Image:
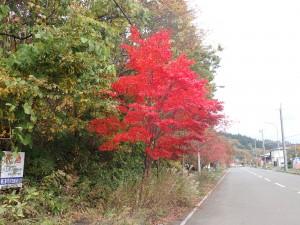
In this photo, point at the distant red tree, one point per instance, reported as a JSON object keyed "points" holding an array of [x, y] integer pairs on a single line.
{"points": [[216, 149], [164, 104]]}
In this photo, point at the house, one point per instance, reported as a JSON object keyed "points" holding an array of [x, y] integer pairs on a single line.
{"points": [[277, 157], [264, 158]]}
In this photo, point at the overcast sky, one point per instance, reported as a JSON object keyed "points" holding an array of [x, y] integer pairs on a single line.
{"points": [[260, 65]]}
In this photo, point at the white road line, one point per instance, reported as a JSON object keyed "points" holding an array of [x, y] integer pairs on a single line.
{"points": [[280, 185], [195, 209], [200, 203], [223, 177], [267, 179], [259, 176], [298, 192]]}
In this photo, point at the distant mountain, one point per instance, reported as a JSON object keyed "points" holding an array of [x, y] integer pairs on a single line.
{"points": [[245, 142]]}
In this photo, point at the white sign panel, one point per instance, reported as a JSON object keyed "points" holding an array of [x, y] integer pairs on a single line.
{"points": [[12, 168]]}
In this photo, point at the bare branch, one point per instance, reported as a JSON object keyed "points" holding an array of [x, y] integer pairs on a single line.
{"points": [[16, 37]]}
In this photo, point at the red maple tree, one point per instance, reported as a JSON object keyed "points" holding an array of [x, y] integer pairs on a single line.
{"points": [[216, 149], [164, 104]]}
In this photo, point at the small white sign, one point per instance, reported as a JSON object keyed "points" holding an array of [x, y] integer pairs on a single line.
{"points": [[12, 169]]}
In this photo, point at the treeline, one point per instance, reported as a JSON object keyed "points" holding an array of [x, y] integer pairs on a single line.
{"points": [[58, 60], [246, 142]]}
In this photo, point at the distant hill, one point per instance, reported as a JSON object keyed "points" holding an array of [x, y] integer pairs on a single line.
{"points": [[244, 142]]}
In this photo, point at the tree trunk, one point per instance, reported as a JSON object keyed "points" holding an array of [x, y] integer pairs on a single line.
{"points": [[147, 163]]}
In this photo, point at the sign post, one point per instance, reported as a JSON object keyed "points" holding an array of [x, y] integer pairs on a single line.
{"points": [[12, 169]]}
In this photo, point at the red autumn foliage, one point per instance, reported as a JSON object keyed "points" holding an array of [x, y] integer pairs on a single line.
{"points": [[216, 149], [164, 104]]}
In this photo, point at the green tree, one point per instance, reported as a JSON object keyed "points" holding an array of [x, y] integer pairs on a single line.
{"points": [[58, 59], [186, 36]]}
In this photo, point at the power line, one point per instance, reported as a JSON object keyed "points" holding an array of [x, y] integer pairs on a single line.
{"points": [[292, 136]]}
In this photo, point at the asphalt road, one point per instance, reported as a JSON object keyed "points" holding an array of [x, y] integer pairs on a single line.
{"points": [[249, 196]]}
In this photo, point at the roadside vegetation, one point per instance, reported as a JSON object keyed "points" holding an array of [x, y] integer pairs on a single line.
{"points": [[61, 200], [111, 104]]}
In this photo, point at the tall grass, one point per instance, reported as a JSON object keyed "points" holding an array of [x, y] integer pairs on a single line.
{"points": [[153, 200]]}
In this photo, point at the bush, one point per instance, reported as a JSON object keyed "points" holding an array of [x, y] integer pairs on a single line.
{"points": [[32, 204]]}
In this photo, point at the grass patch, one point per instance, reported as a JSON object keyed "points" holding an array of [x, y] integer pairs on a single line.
{"points": [[290, 170]]}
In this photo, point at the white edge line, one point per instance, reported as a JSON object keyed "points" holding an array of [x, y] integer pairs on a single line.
{"points": [[280, 185], [200, 203]]}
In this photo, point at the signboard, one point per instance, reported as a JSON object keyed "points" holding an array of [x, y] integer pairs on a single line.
{"points": [[12, 168], [296, 163]]}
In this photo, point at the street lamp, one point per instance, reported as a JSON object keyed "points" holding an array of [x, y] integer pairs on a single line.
{"points": [[278, 146]]}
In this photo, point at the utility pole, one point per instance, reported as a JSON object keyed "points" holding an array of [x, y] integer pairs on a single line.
{"points": [[263, 143], [199, 162], [252, 152], [283, 141], [255, 153]]}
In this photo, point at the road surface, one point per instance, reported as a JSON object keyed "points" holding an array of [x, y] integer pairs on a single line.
{"points": [[249, 196]]}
